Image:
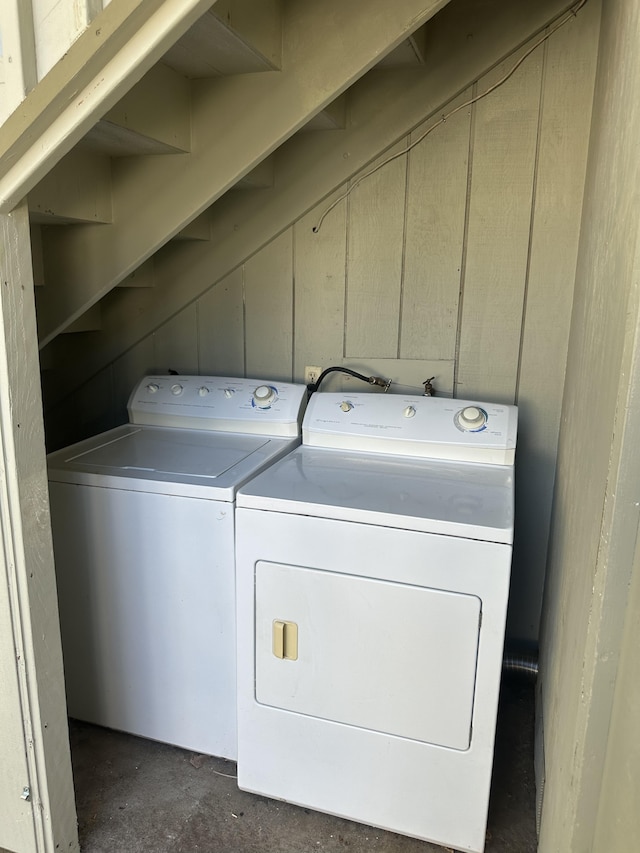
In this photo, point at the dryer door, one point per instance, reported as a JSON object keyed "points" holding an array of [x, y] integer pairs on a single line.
{"points": [[389, 657]]}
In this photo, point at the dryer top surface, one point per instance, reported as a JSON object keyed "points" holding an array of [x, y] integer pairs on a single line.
{"points": [[458, 499]]}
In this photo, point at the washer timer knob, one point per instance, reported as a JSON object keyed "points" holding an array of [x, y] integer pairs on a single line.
{"points": [[152, 388], [472, 418], [264, 396]]}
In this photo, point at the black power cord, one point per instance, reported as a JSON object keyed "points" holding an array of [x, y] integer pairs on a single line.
{"points": [[312, 387]]}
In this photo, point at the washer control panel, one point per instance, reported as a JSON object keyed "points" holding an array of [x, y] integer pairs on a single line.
{"points": [[218, 403], [428, 427]]}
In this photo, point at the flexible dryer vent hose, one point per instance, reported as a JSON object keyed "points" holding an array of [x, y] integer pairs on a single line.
{"points": [[524, 663]]}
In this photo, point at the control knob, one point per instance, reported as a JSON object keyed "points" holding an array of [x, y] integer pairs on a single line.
{"points": [[264, 396], [203, 391], [176, 390], [152, 388], [410, 412], [472, 418], [346, 406]]}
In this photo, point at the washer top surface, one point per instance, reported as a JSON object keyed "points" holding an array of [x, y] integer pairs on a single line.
{"points": [[200, 436], [169, 461], [457, 499]]}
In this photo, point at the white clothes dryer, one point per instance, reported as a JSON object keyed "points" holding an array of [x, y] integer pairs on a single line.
{"points": [[373, 568], [143, 530]]}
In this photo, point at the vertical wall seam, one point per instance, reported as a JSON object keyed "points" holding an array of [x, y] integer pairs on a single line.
{"points": [[198, 360], [404, 246], [465, 239], [244, 323], [112, 394], [154, 347], [534, 190], [293, 299], [346, 270]]}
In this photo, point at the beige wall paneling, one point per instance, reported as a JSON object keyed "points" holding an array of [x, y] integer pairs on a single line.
{"points": [[95, 404], [61, 424], [567, 96], [128, 370], [89, 410], [268, 287], [595, 515], [375, 244], [407, 375], [176, 343], [382, 107], [221, 327], [436, 204], [319, 275], [503, 154]]}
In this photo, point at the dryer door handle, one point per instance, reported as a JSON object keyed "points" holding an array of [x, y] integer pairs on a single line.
{"points": [[285, 640]]}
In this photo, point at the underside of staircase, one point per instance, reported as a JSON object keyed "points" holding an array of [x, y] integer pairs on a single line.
{"points": [[260, 110]]}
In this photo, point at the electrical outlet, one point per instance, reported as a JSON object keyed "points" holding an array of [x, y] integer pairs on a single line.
{"points": [[311, 374]]}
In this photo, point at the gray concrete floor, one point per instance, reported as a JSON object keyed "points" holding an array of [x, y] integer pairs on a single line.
{"points": [[137, 796]]}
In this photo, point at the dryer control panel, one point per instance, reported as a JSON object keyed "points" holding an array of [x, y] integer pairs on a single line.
{"points": [[218, 403], [427, 427]]}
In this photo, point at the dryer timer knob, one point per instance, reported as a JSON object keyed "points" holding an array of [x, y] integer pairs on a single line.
{"points": [[472, 418], [264, 396]]}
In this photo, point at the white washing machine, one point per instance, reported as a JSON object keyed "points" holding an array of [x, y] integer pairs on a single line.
{"points": [[373, 568], [143, 529]]}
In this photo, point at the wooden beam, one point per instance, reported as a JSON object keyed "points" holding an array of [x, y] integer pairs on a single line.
{"points": [[326, 48], [122, 43], [45, 820]]}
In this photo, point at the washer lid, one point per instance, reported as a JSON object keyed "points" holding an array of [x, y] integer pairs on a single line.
{"points": [[194, 454], [174, 461], [458, 499]]}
